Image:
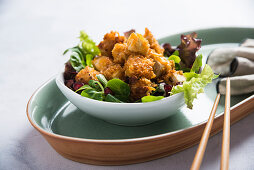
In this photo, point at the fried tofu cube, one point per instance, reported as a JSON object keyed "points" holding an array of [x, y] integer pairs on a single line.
{"points": [[138, 44], [153, 42], [140, 88], [114, 71], [119, 53], [162, 65], [139, 66], [174, 77], [86, 74], [102, 62], [110, 39]]}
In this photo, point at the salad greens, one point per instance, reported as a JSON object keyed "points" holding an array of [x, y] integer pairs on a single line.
{"points": [[116, 90], [175, 58], [151, 98], [197, 64], [120, 89], [195, 84], [82, 54], [95, 90]]}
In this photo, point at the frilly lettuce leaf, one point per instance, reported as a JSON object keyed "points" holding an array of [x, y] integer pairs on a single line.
{"points": [[194, 85], [82, 54], [197, 64]]}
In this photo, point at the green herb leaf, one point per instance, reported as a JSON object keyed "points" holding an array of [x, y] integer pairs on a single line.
{"points": [[102, 79], [175, 58], [120, 89], [93, 94], [96, 85], [151, 98], [84, 87], [76, 58], [111, 98], [197, 64]]}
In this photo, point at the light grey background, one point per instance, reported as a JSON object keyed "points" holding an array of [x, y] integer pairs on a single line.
{"points": [[33, 35]]}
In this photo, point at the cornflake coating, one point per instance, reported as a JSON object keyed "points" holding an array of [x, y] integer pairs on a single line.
{"points": [[86, 74], [102, 62], [162, 64], [140, 88], [153, 42], [110, 39], [139, 66], [120, 53], [138, 44], [114, 71]]}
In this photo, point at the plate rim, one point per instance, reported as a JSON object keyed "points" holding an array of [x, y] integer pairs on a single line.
{"points": [[132, 140]]}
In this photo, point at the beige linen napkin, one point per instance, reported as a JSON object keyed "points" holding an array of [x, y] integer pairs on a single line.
{"points": [[238, 64]]}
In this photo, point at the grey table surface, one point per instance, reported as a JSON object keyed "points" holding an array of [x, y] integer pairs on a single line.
{"points": [[33, 35]]}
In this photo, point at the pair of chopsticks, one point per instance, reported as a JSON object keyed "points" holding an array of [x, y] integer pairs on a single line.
{"points": [[226, 134]]}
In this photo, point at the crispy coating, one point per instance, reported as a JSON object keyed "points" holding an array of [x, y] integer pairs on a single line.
{"points": [[120, 53], [86, 74], [110, 39], [114, 71], [138, 44], [140, 88], [162, 65], [102, 62], [153, 42], [139, 66]]}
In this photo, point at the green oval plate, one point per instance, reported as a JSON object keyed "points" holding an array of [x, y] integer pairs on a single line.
{"points": [[50, 111]]}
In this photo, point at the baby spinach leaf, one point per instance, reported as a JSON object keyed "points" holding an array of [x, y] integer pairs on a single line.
{"points": [[96, 85], [120, 89], [111, 98], [76, 58], [84, 87], [93, 94], [102, 79], [151, 98]]}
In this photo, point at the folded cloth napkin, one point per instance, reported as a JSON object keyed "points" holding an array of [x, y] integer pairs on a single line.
{"points": [[238, 64]]}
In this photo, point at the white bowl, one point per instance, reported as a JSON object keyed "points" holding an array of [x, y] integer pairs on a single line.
{"points": [[130, 114]]}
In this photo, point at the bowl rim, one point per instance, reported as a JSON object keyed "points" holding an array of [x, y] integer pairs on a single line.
{"points": [[59, 78]]}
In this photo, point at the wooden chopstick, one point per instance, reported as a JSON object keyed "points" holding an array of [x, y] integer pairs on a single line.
{"points": [[202, 146], [226, 131]]}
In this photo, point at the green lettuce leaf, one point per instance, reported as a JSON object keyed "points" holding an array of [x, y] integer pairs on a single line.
{"points": [[82, 55], [195, 85], [175, 58], [197, 64], [88, 45]]}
